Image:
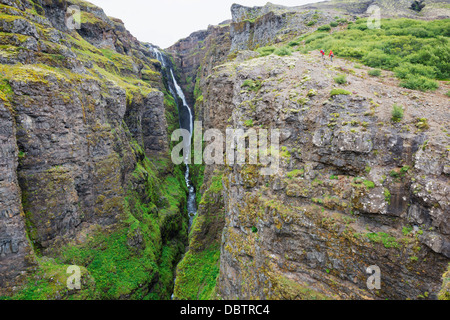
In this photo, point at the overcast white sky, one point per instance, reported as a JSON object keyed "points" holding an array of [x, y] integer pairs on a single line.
{"points": [[164, 22]]}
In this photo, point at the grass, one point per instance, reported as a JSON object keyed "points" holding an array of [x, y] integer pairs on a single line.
{"points": [[336, 92], [198, 273], [295, 173]]}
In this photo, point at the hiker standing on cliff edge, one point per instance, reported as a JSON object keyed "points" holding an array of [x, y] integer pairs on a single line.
{"points": [[331, 55]]}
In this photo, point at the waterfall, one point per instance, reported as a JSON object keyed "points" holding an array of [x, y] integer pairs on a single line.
{"points": [[183, 98], [177, 92]]}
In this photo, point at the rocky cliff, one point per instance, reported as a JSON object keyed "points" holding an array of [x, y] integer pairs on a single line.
{"points": [[86, 177], [355, 189]]}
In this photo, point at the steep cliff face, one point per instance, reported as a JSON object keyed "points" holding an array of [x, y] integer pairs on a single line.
{"points": [[355, 189], [86, 177], [351, 188]]}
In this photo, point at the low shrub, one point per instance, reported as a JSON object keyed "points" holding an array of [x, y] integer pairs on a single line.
{"points": [[324, 28], [265, 51], [341, 79], [283, 51], [406, 69], [334, 24], [374, 72], [421, 83], [397, 113]]}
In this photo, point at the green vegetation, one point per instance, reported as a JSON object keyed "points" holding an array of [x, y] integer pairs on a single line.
{"points": [[381, 237], [135, 257], [6, 92], [295, 173], [444, 294], [283, 51], [287, 289], [108, 256], [334, 24], [394, 174], [369, 184], [397, 113], [387, 196], [336, 92], [414, 48], [198, 272], [417, 5], [137, 252], [284, 153], [294, 43], [248, 123], [265, 51], [374, 72], [407, 230], [325, 27], [341, 79], [419, 83], [252, 85], [422, 124], [51, 278], [405, 169], [407, 69]]}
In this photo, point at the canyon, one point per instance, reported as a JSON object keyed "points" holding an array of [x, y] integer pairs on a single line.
{"points": [[86, 177]]}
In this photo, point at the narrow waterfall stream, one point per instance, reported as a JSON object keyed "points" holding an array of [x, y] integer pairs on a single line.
{"points": [[186, 122]]}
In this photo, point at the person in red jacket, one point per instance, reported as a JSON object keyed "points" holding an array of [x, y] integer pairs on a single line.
{"points": [[331, 55], [323, 54]]}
